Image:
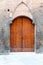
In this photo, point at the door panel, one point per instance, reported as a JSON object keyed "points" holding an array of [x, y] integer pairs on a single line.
{"points": [[28, 35], [15, 34], [22, 35]]}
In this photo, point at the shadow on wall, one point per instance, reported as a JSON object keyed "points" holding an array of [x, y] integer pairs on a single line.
{"points": [[4, 43]]}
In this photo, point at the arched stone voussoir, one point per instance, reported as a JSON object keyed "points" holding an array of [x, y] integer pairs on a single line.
{"points": [[22, 10]]}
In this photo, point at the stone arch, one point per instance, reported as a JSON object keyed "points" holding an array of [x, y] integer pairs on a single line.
{"points": [[22, 9]]}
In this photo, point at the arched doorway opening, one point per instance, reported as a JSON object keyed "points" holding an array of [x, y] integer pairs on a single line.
{"points": [[22, 35]]}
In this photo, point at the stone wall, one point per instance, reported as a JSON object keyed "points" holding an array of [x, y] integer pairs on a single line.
{"points": [[10, 9]]}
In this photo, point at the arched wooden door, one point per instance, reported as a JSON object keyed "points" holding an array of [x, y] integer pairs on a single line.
{"points": [[22, 35]]}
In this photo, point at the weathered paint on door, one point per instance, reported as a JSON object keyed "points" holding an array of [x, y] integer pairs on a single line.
{"points": [[22, 35]]}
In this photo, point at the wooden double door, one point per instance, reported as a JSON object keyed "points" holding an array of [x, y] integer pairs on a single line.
{"points": [[22, 35]]}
